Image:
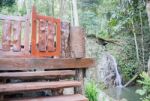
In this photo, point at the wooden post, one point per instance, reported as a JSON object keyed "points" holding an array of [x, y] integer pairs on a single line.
{"points": [[27, 35], [2, 81], [77, 38], [33, 40], [65, 44], [79, 77]]}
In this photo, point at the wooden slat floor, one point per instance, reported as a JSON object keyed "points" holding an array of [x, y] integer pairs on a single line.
{"points": [[37, 74], [33, 86]]}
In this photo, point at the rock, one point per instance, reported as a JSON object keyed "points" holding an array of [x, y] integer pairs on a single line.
{"points": [[123, 99]]}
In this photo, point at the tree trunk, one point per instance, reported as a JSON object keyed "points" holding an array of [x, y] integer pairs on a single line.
{"points": [[142, 41], [62, 4], [135, 41], [148, 11], [53, 5], [75, 13], [148, 14]]}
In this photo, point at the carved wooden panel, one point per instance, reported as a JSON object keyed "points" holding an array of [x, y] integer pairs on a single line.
{"points": [[49, 41], [17, 36], [50, 37], [42, 35], [6, 35]]}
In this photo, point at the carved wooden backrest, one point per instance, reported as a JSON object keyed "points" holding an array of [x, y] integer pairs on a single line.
{"points": [[49, 36], [15, 35], [46, 35]]}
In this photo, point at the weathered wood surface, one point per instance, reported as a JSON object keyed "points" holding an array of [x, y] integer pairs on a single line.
{"points": [[42, 35], [50, 37], [77, 42], [13, 18], [76, 97], [36, 17], [17, 36], [6, 35], [32, 86], [79, 77], [27, 35], [44, 63], [65, 42], [37, 74], [11, 54]]}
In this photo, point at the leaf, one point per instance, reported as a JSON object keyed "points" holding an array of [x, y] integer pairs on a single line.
{"points": [[141, 91]]}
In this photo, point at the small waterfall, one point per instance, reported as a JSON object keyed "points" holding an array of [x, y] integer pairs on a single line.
{"points": [[118, 81], [108, 71]]}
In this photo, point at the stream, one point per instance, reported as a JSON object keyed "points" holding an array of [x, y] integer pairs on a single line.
{"points": [[119, 93], [109, 74]]}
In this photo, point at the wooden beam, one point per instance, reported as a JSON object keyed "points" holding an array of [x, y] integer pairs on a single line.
{"points": [[37, 74], [13, 18], [34, 86], [76, 97], [44, 63]]}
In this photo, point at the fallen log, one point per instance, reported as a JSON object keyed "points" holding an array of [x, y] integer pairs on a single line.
{"points": [[131, 80], [103, 41]]}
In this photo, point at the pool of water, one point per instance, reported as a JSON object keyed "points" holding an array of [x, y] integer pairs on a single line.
{"points": [[119, 93]]}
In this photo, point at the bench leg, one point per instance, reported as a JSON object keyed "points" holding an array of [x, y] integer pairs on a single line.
{"points": [[79, 77], [2, 81]]}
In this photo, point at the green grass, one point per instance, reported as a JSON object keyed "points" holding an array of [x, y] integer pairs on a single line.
{"points": [[91, 91]]}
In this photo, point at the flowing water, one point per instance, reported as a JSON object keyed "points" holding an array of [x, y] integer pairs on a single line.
{"points": [[108, 71], [118, 81], [119, 93]]}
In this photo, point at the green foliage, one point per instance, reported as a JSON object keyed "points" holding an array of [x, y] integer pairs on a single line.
{"points": [[127, 62], [6, 2], [145, 91], [91, 91]]}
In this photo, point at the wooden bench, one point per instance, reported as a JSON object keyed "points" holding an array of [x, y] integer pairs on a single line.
{"points": [[41, 59]]}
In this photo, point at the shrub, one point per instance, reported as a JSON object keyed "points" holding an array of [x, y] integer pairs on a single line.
{"points": [[91, 91], [145, 91]]}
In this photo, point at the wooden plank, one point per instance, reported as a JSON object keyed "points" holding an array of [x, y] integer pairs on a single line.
{"points": [[12, 18], [42, 35], [50, 37], [32, 86], [27, 35], [44, 63], [37, 74], [6, 36], [10, 54], [34, 31], [76, 97], [17, 36]]}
